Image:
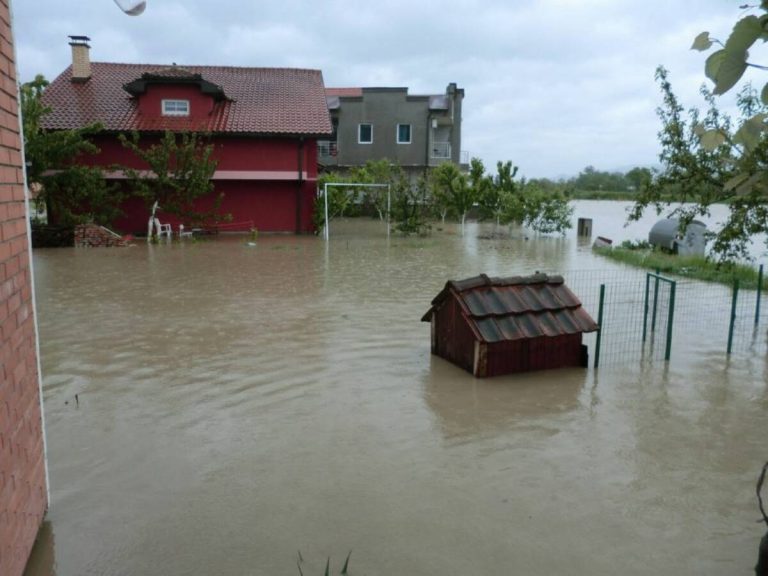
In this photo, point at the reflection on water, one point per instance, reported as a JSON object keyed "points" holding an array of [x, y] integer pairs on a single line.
{"points": [[468, 408], [239, 403]]}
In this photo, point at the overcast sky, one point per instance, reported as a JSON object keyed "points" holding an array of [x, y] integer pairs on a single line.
{"points": [[553, 85]]}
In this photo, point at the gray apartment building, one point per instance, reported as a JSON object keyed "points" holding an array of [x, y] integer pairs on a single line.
{"points": [[414, 131]]}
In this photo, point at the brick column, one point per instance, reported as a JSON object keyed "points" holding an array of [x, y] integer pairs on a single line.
{"points": [[23, 490]]}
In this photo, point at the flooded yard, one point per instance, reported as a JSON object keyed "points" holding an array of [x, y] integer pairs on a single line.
{"points": [[215, 407]]}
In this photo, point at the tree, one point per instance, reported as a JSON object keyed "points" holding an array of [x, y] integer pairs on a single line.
{"points": [[410, 207], [452, 191], [746, 188], [376, 172], [72, 192], [340, 199], [544, 211], [704, 163], [181, 167], [490, 198], [638, 177], [512, 204], [530, 204]]}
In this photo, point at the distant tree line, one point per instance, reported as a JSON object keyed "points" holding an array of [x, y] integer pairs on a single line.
{"points": [[590, 179]]}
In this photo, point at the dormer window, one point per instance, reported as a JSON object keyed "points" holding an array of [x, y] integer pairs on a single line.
{"points": [[175, 107]]}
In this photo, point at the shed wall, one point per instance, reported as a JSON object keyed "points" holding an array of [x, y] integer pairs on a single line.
{"points": [[542, 353], [452, 337]]}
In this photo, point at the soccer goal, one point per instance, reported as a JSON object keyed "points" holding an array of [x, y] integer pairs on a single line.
{"points": [[328, 185]]}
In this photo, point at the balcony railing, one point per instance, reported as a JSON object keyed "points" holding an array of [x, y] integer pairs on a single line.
{"points": [[327, 148], [441, 151]]}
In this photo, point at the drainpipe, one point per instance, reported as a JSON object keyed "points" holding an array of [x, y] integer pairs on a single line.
{"points": [[428, 145], [299, 182]]}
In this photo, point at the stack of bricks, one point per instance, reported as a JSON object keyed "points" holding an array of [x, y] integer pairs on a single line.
{"points": [[93, 236], [23, 492]]}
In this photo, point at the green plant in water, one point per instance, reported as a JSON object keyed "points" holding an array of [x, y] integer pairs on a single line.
{"points": [[344, 569]]}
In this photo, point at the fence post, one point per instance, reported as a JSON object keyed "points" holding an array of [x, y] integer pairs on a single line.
{"points": [[655, 299], [670, 319], [759, 294], [599, 325], [645, 308], [733, 313]]}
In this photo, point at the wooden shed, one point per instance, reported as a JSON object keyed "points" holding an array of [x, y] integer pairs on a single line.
{"points": [[495, 326]]}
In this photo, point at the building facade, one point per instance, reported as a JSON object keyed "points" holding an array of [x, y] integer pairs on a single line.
{"points": [[415, 132], [263, 124], [23, 484]]}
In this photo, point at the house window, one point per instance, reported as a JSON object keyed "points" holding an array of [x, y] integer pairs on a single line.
{"points": [[175, 107], [365, 133], [403, 133]]}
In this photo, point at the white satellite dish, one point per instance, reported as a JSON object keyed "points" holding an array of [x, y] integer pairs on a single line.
{"points": [[131, 7]]}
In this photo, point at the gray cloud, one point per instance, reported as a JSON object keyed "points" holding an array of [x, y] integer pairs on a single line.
{"points": [[553, 85]]}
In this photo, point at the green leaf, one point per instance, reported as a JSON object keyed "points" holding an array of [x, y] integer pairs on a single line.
{"points": [[729, 71], [744, 34], [713, 63], [711, 139], [702, 42], [751, 131], [764, 24], [764, 94]]}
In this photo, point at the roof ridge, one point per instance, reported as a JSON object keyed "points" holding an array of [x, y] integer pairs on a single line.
{"points": [[216, 66]]}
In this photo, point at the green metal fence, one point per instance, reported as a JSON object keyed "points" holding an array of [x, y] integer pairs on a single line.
{"points": [[647, 317]]}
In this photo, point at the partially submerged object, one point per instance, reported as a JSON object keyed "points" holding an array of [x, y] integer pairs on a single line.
{"points": [[493, 326], [667, 234], [602, 242]]}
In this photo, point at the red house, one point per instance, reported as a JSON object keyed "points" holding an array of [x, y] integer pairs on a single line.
{"points": [[495, 326], [264, 124]]}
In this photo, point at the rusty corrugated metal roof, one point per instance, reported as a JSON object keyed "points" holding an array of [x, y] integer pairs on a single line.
{"points": [[517, 307]]}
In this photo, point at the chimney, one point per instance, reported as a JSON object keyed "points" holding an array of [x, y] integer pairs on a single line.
{"points": [[81, 58]]}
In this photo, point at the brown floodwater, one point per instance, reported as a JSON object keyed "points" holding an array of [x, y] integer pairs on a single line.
{"points": [[238, 403]]}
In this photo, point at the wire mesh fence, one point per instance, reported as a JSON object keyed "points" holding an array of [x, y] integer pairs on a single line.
{"points": [[648, 319]]}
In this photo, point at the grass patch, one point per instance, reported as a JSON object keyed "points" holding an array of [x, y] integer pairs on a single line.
{"points": [[695, 267]]}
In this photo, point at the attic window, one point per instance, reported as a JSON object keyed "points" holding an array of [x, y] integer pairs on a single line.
{"points": [[175, 107]]}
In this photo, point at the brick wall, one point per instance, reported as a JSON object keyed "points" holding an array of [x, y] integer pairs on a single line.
{"points": [[94, 236], [23, 494]]}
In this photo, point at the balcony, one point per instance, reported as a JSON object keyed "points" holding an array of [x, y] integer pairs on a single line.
{"points": [[327, 151], [441, 151]]}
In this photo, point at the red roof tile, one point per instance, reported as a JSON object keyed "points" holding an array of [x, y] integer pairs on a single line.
{"points": [[258, 100], [518, 307]]}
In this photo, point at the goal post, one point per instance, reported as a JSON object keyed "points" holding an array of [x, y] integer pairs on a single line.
{"points": [[327, 185]]}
